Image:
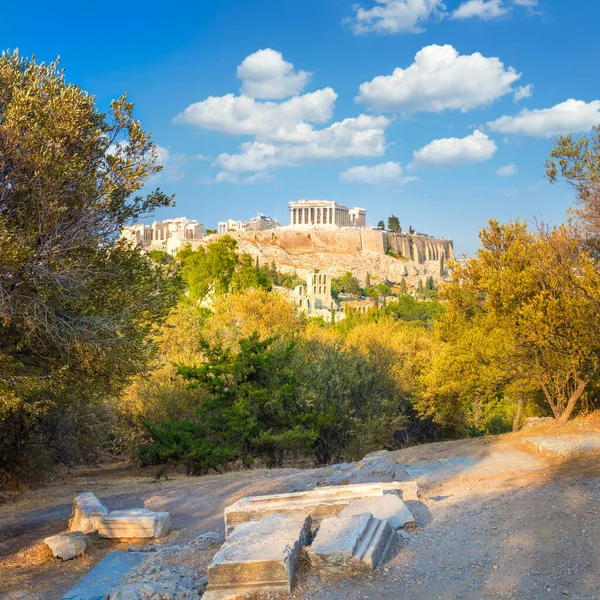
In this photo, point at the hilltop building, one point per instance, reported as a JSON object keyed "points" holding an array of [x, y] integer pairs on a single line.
{"points": [[258, 223], [325, 213], [168, 235]]}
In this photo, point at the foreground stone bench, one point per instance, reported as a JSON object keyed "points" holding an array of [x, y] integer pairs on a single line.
{"points": [[346, 543], [86, 513], [319, 504], [134, 523], [259, 556]]}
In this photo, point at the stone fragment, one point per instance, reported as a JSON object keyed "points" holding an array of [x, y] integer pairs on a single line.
{"points": [[104, 576], [134, 523], [259, 556], [386, 508], [86, 513], [319, 504], [407, 490], [343, 543], [67, 545], [565, 445], [531, 422]]}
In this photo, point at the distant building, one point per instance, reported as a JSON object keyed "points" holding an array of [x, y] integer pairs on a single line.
{"points": [[325, 213], [258, 223], [315, 298], [168, 235]]}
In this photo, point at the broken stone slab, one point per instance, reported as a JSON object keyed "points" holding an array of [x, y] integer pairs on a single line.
{"points": [[385, 508], [104, 576], [406, 490], [344, 543], [319, 503], [86, 513], [134, 523], [67, 545], [259, 556], [565, 445], [375, 467]]}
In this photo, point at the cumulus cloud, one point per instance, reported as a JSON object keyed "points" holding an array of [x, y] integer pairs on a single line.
{"points": [[395, 16], [362, 136], [265, 74], [440, 79], [571, 116], [525, 91], [482, 9], [273, 121], [507, 170], [452, 152], [389, 173]]}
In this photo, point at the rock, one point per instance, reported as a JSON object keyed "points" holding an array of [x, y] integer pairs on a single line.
{"points": [[259, 556], [407, 490], [319, 503], [134, 523], [86, 513], [386, 508], [67, 545], [342, 543], [565, 445], [157, 582], [535, 421]]}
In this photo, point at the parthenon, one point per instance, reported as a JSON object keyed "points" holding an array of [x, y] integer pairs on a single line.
{"points": [[325, 213]]}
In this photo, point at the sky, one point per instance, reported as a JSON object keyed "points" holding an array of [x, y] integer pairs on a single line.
{"points": [[442, 113]]}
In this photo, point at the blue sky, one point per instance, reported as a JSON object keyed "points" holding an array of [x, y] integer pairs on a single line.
{"points": [[409, 107]]}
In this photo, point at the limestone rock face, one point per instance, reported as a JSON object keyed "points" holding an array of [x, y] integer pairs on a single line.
{"points": [[67, 545], [86, 513], [386, 508], [346, 542], [259, 557], [134, 523]]}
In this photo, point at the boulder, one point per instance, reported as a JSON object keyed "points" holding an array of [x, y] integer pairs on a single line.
{"points": [[386, 508], [67, 545], [259, 556], [346, 543], [134, 523], [86, 513]]}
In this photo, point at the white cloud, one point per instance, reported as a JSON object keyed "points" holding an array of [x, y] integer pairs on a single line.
{"points": [[526, 3], [482, 9], [265, 74], [507, 170], [389, 173], [571, 116], [172, 164], [451, 152], [440, 79], [395, 16], [162, 155], [510, 192], [273, 121], [233, 178], [525, 91], [362, 136]]}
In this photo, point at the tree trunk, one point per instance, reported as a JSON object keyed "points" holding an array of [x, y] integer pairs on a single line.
{"points": [[566, 414], [518, 414]]}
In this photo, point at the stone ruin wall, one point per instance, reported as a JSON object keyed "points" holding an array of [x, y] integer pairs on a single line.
{"points": [[361, 251]]}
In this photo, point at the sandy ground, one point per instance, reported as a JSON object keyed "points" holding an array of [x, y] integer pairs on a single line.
{"points": [[517, 525]]}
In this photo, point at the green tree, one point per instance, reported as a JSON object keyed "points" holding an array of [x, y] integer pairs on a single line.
{"points": [[394, 224], [76, 307], [347, 284], [381, 225], [442, 267], [403, 288]]}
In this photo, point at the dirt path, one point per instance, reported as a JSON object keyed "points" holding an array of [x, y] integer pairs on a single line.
{"points": [[496, 520]]}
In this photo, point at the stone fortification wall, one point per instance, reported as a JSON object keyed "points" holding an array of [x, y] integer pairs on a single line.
{"points": [[361, 251]]}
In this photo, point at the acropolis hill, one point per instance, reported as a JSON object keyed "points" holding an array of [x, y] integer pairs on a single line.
{"points": [[361, 251], [322, 235]]}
